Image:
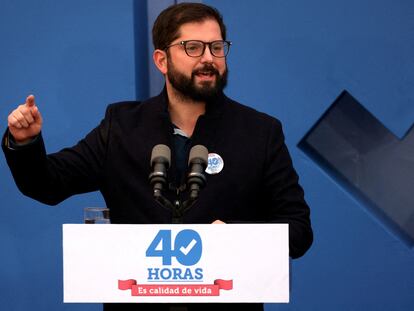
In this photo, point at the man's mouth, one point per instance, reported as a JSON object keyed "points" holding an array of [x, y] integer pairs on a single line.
{"points": [[207, 71], [206, 74]]}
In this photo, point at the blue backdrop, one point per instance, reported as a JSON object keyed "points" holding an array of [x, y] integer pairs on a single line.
{"points": [[290, 59]]}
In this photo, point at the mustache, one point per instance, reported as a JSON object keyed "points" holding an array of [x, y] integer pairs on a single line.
{"points": [[206, 69]]}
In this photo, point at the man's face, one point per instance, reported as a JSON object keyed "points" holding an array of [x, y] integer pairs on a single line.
{"points": [[199, 78]]}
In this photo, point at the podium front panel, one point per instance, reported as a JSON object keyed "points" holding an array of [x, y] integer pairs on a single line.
{"points": [[176, 263]]}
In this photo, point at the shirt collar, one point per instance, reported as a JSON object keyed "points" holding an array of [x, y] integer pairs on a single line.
{"points": [[178, 131]]}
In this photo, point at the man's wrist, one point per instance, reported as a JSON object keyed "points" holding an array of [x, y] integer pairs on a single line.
{"points": [[11, 143]]}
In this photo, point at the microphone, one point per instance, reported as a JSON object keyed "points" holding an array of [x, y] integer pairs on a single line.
{"points": [[160, 162], [197, 161]]}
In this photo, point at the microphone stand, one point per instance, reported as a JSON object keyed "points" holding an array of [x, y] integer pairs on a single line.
{"points": [[178, 208]]}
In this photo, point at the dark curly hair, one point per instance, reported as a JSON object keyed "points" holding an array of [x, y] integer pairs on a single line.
{"points": [[167, 24]]}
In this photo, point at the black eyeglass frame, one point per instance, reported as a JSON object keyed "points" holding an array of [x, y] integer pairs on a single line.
{"points": [[209, 44]]}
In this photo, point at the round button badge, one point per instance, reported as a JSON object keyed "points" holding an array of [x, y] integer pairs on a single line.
{"points": [[215, 164]]}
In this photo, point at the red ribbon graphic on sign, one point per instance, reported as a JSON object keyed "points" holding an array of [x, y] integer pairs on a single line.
{"points": [[175, 289]]}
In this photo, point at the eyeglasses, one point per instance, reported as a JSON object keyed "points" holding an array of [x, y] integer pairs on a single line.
{"points": [[196, 48]]}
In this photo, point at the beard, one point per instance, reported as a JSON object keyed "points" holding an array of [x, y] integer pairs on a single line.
{"points": [[187, 88]]}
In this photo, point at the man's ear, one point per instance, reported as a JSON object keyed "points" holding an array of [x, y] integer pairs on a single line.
{"points": [[160, 60]]}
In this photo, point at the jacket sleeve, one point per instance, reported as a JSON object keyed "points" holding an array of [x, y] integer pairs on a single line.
{"points": [[52, 178], [286, 195]]}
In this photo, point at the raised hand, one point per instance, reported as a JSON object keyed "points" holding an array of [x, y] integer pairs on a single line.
{"points": [[25, 122]]}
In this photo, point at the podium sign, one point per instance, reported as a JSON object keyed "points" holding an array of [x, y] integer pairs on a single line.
{"points": [[176, 263]]}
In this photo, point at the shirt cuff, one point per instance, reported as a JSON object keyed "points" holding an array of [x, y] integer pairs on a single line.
{"points": [[12, 145]]}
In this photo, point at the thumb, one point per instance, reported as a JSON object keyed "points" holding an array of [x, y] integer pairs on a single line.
{"points": [[36, 113], [30, 101], [218, 222]]}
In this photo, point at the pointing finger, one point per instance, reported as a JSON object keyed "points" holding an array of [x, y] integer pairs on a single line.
{"points": [[30, 101]]}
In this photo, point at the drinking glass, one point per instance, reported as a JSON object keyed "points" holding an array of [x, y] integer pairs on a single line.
{"points": [[96, 215]]}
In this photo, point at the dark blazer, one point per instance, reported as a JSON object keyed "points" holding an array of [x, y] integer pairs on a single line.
{"points": [[257, 184]]}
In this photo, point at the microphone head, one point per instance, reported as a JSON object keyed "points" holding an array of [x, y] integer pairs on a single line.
{"points": [[198, 153], [161, 153]]}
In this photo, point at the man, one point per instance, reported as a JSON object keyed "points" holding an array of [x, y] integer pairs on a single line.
{"points": [[254, 181]]}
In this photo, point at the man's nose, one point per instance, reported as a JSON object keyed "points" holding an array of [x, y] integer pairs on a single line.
{"points": [[207, 57]]}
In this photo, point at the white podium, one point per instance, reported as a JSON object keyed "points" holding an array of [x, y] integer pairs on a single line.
{"points": [[176, 263]]}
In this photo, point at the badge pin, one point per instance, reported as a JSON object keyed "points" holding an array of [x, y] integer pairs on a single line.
{"points": [[215, 164]]}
